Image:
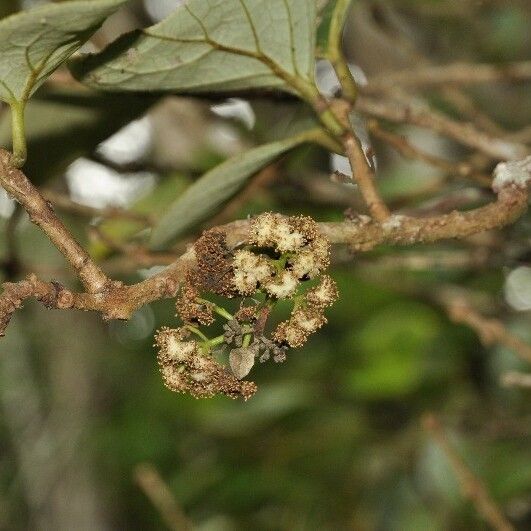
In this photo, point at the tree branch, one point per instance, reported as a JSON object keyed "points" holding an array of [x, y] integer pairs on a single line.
{"points": [[471, 486], [490, 331], [364, 234], [452, 74], [516, 379], [41, 213], [154, 487], [117, 301], [401, 144], [400, 110], [364, 176]]}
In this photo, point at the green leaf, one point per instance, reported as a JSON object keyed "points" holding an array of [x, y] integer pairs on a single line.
{"points": [[203, 197], [122, 230], [212, 46], [34, 43]]}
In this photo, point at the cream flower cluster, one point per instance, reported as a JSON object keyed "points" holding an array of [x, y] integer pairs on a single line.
{"points": [[186, 368], [283, 251], [307, 316], [281, 255]]}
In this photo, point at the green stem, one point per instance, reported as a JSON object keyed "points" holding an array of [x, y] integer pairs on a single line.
{"points": [[197, 332], [348, 85], [224, 313], [218, 309], [312, 95], [298, 300], [18, 134], [215, 341], [335, 53], [323, 138], [280, 264], [246, 340]]}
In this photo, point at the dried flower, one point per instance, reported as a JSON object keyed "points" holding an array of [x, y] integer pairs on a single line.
{"points": [[233, 332], [268, 348], [324, 294], [213, 271], [296, 330], [190, 309], [186, 369], [246, 313]]}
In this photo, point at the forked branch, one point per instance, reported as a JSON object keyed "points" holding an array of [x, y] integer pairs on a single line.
{"points": [[41, 213], [116, 301]]}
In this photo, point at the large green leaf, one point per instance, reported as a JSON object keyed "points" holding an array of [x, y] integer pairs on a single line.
{"points": [[203, 197], [212, 45], [34, 43]]}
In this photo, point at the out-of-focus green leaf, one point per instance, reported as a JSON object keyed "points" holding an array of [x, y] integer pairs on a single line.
{"points": [[207, 46], [393, 344], [512, 473], [85, 121], [277, 400], [215, 187], [151, 205], [34, 43]]}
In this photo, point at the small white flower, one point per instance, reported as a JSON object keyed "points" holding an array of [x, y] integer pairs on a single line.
{"points": [[253, 264], [174, 377], [304, 264], [244, 283], [179, 350], [324, 294], [249, 270], [282, 286], [307, 320], [263, 229], [173, 347], [287, 239]]}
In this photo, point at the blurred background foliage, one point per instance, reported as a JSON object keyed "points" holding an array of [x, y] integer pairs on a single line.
{"points": [[333, 438]]}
